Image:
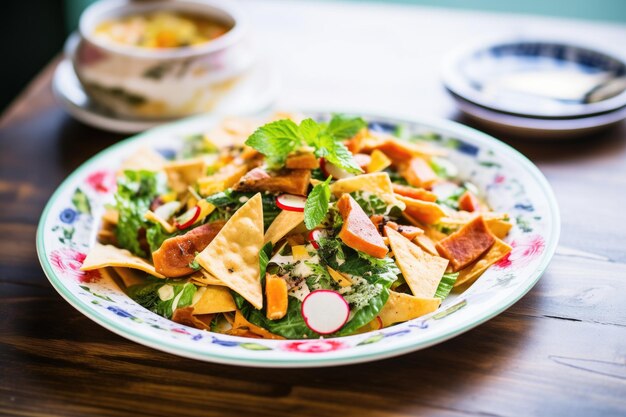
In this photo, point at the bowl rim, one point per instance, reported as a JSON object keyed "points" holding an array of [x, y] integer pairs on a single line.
{"points": [[91, 16], [457, 83]]}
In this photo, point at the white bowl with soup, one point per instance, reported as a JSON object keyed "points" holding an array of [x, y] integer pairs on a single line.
{"points": [[160, 59]]}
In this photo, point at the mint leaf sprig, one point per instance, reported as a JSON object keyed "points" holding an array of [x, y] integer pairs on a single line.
{"points": [[276, 140], [316, 205]]}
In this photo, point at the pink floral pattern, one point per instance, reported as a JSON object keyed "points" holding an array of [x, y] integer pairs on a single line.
{"points": [[524, 250], [68, 262], [314, 346], [102, 181]]}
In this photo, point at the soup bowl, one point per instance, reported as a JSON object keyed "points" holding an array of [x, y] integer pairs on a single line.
{"points": [[149, 83]]}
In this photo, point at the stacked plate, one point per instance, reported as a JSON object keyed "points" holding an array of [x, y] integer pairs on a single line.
{"points": [[538, 88]]}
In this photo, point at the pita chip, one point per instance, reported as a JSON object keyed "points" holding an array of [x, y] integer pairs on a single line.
{"points": [[129, 276], [471, 273], [101, 256], [284, 223], [233, 255], [421, 270], [204, 278], [143, 158], [213, 299], [423, 211], [376, 183], [183, 173], [402, 307]]}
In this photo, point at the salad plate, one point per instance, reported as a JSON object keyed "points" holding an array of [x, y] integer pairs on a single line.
{"points": [[504, 179]]}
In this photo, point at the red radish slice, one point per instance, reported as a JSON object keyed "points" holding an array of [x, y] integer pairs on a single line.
{"points": [[325, 311], [291, 202], [187, 218], [315, 235], [329, 169]]}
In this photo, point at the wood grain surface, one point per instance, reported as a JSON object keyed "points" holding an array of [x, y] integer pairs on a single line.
{"points": [[560, 351]]}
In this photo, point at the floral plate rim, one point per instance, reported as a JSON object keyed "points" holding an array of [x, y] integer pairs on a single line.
{"points": [[348, 356]]}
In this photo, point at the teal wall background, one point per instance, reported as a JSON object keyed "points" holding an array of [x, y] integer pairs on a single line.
{"points": [[608, 10]]}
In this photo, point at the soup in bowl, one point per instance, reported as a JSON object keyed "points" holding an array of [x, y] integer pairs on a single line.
{"points": [[160, 59], [161, 30]]}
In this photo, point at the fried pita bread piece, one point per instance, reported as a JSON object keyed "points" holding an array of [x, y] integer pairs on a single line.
{"points": [[233, 255], [101, 256], [172, 259], [403, 307], [467, 244], [422, 271], [472, 272], [294, 181]]}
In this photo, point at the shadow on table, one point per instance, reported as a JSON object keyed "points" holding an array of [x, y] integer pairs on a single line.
{"points": [[602, 143]]}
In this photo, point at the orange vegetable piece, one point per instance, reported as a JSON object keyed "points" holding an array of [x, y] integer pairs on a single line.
{"points": [[467, 244], [275, 297], [469, 202], [416, 193], [358, 231], [355, 144], [407, 231], [398, 150], [186, 317], [423, 211], [418, 173], [302, 161]]}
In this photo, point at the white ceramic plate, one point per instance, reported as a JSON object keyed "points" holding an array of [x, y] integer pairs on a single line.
{"points": [[256, 91], [508, 180]]}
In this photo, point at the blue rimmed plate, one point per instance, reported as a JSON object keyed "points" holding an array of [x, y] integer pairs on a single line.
{"points": [[543, 88], [510, 183]]}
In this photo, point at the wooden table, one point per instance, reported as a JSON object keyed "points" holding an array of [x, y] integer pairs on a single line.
{"points": [[560, 351]]}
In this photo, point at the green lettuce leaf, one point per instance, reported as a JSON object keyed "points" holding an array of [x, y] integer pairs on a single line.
{"points": [[368, 297], [370, 203], [227, 202], [264, 259], [292, 326], [446, 284], [147, 295], [156, 235], [135, 192]]}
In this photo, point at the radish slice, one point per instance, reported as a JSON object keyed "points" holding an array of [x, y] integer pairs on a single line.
{"points": [[291, 202], [315, 235], [187, 218], [329, 169], [362, 159], [167, 210], [325, 311]]}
